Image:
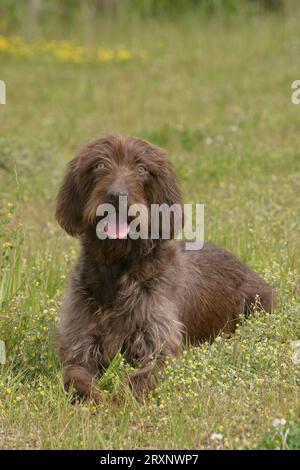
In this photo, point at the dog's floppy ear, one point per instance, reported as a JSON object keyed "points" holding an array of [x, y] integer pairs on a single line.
{"points": [[69, 202], [167, 190], [170, 192]]}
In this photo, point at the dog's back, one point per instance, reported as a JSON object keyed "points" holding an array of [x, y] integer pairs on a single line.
{"points": [[218, 288]]}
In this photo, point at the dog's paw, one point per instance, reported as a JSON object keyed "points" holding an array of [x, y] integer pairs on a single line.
{"points": [[82, 383], [141, 384]]}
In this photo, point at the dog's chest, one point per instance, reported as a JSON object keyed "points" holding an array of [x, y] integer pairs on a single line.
{"points": [[116, 287], [107, 285], [127, 318]]}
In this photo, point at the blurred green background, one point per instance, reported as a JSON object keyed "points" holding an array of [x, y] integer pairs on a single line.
{"points": [[210, 81]]}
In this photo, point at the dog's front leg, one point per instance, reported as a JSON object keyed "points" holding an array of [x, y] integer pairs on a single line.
{"points": [[80, 352], [151, 350], [81, 369], [143, 380], [83, 381]]}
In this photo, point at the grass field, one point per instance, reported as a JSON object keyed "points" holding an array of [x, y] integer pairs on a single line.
{"points": [[216, 95]]}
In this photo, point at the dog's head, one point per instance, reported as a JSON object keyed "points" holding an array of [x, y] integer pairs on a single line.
{"points": [[106, 171]]}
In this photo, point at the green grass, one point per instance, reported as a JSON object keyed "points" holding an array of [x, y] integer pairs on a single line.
{"points": [[217, 96]]}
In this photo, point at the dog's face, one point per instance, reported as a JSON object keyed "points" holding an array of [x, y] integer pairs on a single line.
{"points": [[107, 169]]}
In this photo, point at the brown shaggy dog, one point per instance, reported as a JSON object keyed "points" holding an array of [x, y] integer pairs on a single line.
{"points": [[146, 298]]}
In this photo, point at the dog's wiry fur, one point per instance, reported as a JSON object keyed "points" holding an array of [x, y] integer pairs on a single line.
{"points": [[146, 298]]}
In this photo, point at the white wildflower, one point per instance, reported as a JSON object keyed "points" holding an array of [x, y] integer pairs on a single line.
{"points": [[216, 436], [296, 354], [278, 423], [2, 353]]}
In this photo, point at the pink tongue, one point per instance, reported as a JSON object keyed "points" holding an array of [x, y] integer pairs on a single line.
{"points": [[116, 230]]}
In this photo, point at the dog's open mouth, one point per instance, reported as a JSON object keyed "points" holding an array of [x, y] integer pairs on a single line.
{"points": [[116, 229]]}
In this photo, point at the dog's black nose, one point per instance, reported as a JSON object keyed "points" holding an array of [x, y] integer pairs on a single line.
{"points": [[114, 194]]}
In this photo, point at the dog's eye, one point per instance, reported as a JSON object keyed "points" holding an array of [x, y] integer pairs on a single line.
{"points": [[100, 166], [142, 169]]}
